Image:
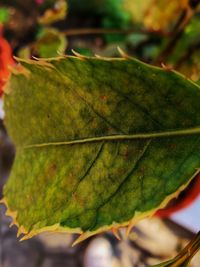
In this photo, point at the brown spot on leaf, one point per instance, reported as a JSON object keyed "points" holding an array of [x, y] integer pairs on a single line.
{"points": [[127, 154], [52, 169], [103, 97], [172, 146]]}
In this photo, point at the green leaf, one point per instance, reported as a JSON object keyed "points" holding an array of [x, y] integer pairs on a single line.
{"points": [[4, 15], [101, 143], [50, 43]]}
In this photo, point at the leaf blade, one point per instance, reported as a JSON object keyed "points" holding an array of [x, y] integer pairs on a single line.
{"points": [[94, 143]]}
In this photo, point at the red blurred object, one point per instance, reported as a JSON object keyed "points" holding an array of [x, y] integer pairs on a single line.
{"points": [[183, 201], [6, 60], [39, 2]]}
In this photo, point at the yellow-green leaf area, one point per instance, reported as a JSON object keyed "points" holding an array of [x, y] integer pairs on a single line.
{"points": [[100, 142]]}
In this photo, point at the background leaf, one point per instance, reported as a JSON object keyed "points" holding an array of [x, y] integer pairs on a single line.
{"points": [[50, 43]]}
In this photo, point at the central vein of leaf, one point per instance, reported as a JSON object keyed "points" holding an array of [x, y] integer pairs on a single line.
{"points": [[185, 132]]}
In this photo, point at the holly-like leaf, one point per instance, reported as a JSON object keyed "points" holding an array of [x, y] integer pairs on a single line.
{"points": [[101, 143], [50, 43]]}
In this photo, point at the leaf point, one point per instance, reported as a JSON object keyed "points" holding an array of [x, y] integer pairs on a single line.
{"points": [[35, 58], [166, 67], [116, 233], [122, 53], [82, 57], [80, 239], [129, 228], [43, 62], [59, 53], [98, 56], [11, 224], [21, 230], [16, 58], [18, 233]]}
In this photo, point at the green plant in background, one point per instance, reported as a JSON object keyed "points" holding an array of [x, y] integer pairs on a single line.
{"points": [[111, 13], [4, 15], [50, 43]]}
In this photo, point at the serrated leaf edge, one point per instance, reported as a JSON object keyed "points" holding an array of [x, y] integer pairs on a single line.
{"points": [[57, 228], [46, 62]]}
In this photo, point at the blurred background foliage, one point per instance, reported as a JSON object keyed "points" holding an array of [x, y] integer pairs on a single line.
{"points": [[155, 31], [160, 32]]}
